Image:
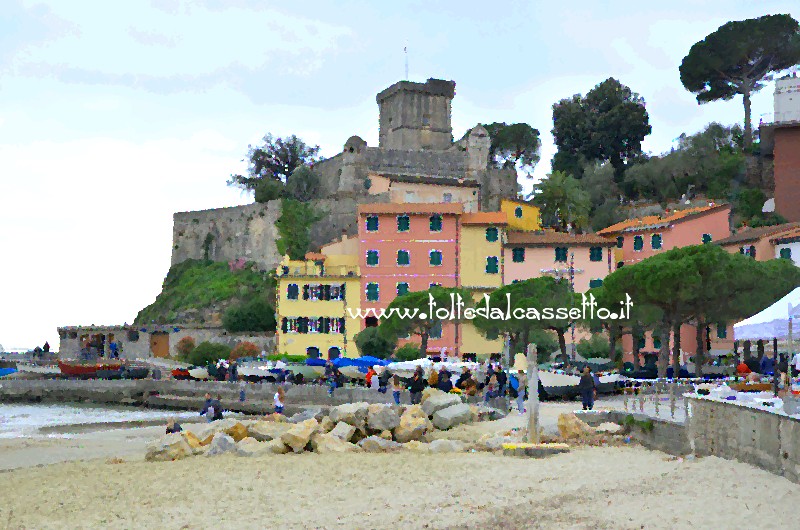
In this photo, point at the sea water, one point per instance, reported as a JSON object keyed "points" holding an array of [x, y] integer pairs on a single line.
{"points": [[25, 420]]}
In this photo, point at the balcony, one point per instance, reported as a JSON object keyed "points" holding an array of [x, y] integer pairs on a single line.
{"points": [[311, 270]]}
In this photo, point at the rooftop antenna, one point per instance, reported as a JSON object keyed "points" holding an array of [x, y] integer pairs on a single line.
{"points": [[405, 51]]}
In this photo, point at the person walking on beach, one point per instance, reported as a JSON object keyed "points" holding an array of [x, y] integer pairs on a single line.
{"points": [[587, 388], [417, 386], [278, 400], [233, 372], [397, 387], [212, 409], [522, 386]]}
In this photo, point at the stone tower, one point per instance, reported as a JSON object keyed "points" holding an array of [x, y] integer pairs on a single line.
{"points": [[416, 115]]}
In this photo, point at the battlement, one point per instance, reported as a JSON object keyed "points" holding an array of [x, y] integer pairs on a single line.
{"points": [[416, 115]]}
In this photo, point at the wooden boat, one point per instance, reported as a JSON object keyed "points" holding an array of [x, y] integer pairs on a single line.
{"points": [[39, 369], [135, 372], [558, 384], [109, 373], [353, 372], [8, 370], [309, 373], [199, 373], [78, 369]]}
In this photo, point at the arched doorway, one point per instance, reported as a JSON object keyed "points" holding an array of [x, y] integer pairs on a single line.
{"points": [[334, 352], [313, 352], [371, 322]]}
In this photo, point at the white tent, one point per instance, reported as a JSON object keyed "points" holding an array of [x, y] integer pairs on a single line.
{"points": [[773, 322]]}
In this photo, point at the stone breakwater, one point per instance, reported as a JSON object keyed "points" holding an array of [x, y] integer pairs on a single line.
{"points": [[182, 395]]}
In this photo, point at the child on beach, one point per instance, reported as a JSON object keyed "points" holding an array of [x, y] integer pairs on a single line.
{"points": [[397, 387], [279, 397]]}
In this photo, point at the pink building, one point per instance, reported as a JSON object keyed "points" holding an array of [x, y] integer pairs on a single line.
{"points": [[638, 239], [533, 254], [408, 247]]}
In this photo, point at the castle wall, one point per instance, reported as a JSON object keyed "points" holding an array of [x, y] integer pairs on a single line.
{"points": [[452, 163]]}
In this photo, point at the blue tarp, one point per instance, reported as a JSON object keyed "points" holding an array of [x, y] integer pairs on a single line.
{"points": [[315, 362], [340, 362]]}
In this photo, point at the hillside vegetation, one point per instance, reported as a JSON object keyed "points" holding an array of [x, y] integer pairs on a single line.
{"points": [[200, 291]]}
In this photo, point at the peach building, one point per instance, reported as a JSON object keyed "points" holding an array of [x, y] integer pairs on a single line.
{"points": [[423, 189], [533, 254], [638, 239]]}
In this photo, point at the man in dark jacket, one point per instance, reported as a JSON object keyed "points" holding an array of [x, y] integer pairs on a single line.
{"points": [[587, 388], [444, 384], [417, 385], [233, 372]]}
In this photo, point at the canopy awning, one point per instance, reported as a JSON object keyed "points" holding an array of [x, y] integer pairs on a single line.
{"points": [[773, 322]]}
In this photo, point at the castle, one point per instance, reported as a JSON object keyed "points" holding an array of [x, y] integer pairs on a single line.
{"points": [[416, 161]]}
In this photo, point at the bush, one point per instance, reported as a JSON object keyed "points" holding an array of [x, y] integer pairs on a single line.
{"points": [[253, 315], [184, 347], [245, 349], [596, 346], [408, 352], [288, 358], [303, 184], [268, 190], [208, 353], [371, 341]]}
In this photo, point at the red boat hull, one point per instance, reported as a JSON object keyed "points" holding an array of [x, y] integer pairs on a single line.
{"points": [[181, 373], [84, 370]]}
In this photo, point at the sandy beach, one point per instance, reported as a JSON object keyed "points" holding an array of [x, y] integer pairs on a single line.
{"points": [[102, 480]]}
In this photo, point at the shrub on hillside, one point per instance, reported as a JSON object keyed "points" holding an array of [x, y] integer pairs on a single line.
{"points": [[407, 352], [184, 347], [245, 349], [253, 315], [208, 353]]}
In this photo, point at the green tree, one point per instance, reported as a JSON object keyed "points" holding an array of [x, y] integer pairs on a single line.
{"points": [[374, 342], [408, 352], [409, 314], [609, 123], [253, 315], [514, 144], [294, 227], [269, 190], [738, 58], [208, 353], [276, 159], [304, 184], [562, 200]]}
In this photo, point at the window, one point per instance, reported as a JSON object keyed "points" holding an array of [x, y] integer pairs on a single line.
{"points": [[292, 291], [133, 335], [655, 241], [436, 330], [561, 253], [372, 258], [642, 342], [436, 223], [707, 239], [403, 257], [402, 288], [752, 252], [786, 253], [597, 282], [403, 223], [741, 250], [491, 234], [518, 212], [436, 257], [620, 264], [638, 243], [656, 343], [620, 241], [596, 253], [434, 284], [518, 255], [492, 265], [373, 292], [447, 197], [722, 330], [372, 223]]}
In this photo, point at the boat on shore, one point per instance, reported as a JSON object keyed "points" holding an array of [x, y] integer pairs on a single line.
{"points": [[37, 369], [199, 373], [7, 368], [84, 369], [564, 385]]}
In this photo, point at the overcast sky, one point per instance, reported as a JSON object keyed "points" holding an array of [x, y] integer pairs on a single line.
{"points": [[114, 115]]}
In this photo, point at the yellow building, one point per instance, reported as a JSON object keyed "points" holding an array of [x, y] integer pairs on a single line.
{"points": [[481, 271], [313, 297], [521, 215]]}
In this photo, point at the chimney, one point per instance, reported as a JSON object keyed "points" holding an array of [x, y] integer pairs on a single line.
{"points": [[344, 234]]}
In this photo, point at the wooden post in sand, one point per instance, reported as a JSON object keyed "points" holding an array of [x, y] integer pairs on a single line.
{"points": [[533, 396]]}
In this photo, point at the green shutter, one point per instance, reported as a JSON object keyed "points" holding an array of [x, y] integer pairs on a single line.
{"points": [[518, 255], [492, 265], [561, 254], [491, 234], [642, 343], [373, 292], [403, 257], [595, 283], [638, 243], [620, 241], [436, 330], [518, 212], [372, 223], [372, 257], [596, 254], [656, 343], [436, 257], [436, 223], [403, 223], [706, 239], [722, 331], [786, 253], [655, 241], [402, 288]]}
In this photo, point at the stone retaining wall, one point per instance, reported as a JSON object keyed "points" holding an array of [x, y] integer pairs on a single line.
{"points": [[761, 438]]}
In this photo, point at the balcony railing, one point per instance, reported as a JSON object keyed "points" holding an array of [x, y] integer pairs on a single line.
{"points": [[334, 271]]}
